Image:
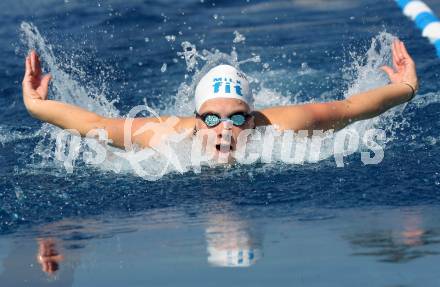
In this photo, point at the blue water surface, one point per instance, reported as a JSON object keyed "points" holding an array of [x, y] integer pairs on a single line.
{"points": [[309, 225]]}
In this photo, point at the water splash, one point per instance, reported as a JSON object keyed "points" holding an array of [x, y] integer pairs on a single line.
{"points": [[363, 74], [64, 87]]}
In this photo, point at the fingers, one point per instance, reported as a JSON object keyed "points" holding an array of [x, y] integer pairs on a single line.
{"points": [[395, 59], [28, 69], [35, 64], [45, 86], [27, 62], [405, 52], [400, 58], [403, 49], [27, 79], [32, 57], [398, 49]]}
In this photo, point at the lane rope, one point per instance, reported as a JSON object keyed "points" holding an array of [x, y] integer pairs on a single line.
{"points": [[424, 18]]}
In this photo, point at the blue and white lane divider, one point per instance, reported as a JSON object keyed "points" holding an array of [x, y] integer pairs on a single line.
{"points": [[424, 18]]}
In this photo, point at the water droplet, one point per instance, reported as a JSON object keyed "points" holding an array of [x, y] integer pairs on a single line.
{"points": [[170, 38], [238, 37], [163, 69]]}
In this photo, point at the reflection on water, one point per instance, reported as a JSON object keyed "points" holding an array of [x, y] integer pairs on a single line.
{"points": [[48, 255], [52, 254], [386, 246], [398, 245], [67, 253], [232, 242], [38, 262]]}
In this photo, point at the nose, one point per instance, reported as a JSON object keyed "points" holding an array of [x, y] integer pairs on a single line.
{"points": [[224, 130], [227, 125]]}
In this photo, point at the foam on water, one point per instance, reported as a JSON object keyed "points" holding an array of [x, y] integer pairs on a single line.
{"points": [[362, 74], [8, 135]]}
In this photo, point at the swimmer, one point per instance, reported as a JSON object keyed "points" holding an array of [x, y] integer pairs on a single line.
{"points": [[223, 102]]}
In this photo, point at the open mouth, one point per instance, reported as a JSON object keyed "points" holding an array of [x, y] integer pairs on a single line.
{"points": [[223, 147]]}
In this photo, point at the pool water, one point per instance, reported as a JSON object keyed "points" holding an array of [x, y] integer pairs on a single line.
{"points": [[277, 223]]}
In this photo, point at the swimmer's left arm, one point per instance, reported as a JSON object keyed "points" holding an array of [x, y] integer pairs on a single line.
{"points": [[338, 114]]}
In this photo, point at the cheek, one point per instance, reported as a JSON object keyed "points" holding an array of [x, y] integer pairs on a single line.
{"points": [[236, 132], [250, 124], [200, 125]]}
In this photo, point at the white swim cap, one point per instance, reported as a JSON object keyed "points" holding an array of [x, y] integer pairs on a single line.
{"points": [[223, 81], [235, 257]]}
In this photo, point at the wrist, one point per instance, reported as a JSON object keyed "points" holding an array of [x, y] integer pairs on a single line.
{"points": [[33, 106], [412, 87]]}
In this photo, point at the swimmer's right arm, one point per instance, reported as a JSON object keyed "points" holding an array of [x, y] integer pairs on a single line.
{"points": [[66, 116]]}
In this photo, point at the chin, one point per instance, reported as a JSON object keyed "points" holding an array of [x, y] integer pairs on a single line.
{"points": [[223, 157]]}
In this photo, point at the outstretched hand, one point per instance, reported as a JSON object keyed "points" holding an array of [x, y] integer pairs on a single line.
{"points": [[35, 84], [404, 68]]}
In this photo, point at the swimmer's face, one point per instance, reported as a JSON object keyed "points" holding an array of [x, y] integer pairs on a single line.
{"points": [[225, 108]]}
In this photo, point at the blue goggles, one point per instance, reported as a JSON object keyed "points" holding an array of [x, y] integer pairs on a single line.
{"points": [[213, 120]]}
